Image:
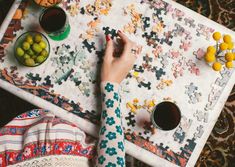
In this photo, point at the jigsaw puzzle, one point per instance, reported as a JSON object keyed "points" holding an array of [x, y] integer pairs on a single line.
{"points": [[169, 61]]}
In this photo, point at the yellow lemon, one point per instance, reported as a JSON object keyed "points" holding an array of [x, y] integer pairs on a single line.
{"points": [[211, 49], [223, 46], [209, 57], [227, 38], [229, 56], [229, 64], [216, 36], [217, 66], [230, 45]]}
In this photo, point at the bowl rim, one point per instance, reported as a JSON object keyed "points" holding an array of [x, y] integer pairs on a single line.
{"points": [[18, 38]]}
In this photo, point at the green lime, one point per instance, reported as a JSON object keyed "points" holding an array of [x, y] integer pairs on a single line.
{"points": [[43, 44], [44, 53], [37, 48], [38, 38], [30, 52], [40, 59], [29, 62], [26, 56], [34, 57], [29, 39], [26, 46], [19, 51]]}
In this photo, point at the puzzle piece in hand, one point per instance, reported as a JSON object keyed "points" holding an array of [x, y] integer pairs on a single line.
{"points": [[146, 22], [201, 116], [200, 131], [89, 46], [130, 119], [179, 135], [111, 32]]}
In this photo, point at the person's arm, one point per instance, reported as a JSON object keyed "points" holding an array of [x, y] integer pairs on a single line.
{"points": [[111, 149], [111, 139]]}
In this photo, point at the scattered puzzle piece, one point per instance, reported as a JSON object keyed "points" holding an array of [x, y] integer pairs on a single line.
{"points": [[200, 131], [201, 116], [159, 72], [179, 135], [130, 119], [89, 46]]}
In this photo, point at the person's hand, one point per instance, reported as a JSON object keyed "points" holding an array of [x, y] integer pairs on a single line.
{"points": [[115, 69]]}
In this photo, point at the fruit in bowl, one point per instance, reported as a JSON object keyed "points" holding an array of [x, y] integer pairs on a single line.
{"points": [[32, 48]]}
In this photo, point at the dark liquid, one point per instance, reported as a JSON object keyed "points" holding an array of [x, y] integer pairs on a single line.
{"points": [[53, 19], [167, 115]]}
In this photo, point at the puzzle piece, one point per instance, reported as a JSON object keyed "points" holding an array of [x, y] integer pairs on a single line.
{"points": [[144, 84], [199, 53], [193, 68], [47, 81], [159, 72], [190, 89], [111, 32], [146, 22], [164, 83], [138, 68], [179, 135], [201, 116], [200, 131], [76, 78], [190, 22], [212, 98], [185, 45], [89, 46], [178, 14], [164, 60], [61, 75], [33, 77], [188, 148], [83, 87], [130, 119], [178, 31], [225, 74], [195, 98], [205, 31]]}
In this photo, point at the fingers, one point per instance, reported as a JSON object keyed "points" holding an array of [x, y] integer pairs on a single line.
{"points": [[109, 48], [123, 37]]}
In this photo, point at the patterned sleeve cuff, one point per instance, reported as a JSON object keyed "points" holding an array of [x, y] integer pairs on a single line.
{"points": [[107, 87]]}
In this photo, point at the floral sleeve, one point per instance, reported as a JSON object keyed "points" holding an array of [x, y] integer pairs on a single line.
{"points": [[111, 151]]}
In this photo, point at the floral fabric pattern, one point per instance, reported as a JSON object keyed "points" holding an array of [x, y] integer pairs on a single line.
{"points": [[111, 150]]}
